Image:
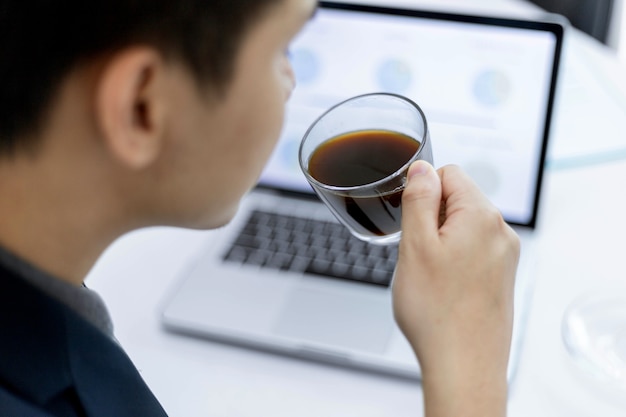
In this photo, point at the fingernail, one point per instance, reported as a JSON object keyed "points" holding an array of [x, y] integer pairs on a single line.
{"points": [[418, 168]]}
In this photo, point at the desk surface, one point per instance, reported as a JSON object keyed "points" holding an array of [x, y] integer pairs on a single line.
{"points": [[583, 202]]}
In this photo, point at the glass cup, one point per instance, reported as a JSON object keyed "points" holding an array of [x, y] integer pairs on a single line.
{"points": [[594, 334], [356, 156]]}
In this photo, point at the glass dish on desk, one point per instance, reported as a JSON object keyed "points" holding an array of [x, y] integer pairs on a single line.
{"points": [[594, 333]]}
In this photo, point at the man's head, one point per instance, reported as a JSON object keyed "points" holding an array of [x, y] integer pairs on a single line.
{"points": [[42, 40], [166, 110]]}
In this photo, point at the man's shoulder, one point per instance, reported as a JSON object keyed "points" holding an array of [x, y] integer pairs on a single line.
{"points": [[48, 353], [34, 365], [27, 315], [11, 405]]}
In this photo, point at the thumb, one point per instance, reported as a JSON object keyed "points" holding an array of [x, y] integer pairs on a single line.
{"points": [[421, 200]]}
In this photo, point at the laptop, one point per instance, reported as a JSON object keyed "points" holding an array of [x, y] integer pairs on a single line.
{"points": [[284, 276]]}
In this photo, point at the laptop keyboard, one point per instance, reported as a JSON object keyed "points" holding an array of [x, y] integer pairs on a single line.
{"points": [[312, 246]]}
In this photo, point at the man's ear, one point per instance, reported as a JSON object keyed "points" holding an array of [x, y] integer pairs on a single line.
{"points": [[130, 105]]}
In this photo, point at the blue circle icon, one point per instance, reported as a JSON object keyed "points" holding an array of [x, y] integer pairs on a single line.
{"points": [[492, 88], [394, 76], [305, 65]]}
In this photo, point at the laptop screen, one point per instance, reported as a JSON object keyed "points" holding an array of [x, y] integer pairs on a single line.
{"points": [[486, 86]]}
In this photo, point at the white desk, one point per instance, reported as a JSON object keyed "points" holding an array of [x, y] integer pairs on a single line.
{"points": [[583, 224]]}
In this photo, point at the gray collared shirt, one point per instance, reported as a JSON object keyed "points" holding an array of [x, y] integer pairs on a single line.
{"points": [[81, 299]]}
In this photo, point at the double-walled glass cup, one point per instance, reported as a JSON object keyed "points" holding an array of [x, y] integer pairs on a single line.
{"points": [[356, 156]]}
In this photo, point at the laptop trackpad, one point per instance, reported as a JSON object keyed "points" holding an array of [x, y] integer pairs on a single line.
{"points": [[359, 320]]}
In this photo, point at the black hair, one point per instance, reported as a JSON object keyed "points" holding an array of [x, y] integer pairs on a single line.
{"points": [[42, 40]]}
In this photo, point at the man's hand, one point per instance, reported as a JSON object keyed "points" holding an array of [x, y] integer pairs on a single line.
{"points": [[453, 291]]}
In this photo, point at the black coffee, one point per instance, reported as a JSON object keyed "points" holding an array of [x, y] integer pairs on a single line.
{"points": [[360, 158]]}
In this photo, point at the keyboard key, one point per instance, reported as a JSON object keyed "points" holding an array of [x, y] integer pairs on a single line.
{"points": [[317, 247]]}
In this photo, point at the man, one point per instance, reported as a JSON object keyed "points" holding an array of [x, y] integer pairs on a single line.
{"points": [[119, 114]]}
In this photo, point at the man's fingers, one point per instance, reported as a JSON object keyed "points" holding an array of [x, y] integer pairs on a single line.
{"points": [[421, 200], [456, 183]]}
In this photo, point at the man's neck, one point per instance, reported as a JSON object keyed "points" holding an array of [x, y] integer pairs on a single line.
{"points": [[54, 214]]}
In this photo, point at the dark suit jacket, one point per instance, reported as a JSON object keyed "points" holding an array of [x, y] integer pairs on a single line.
{"points": [[54, 363]]}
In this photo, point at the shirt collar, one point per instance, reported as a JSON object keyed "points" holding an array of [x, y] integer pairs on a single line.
{"points": [[81, 299]]}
